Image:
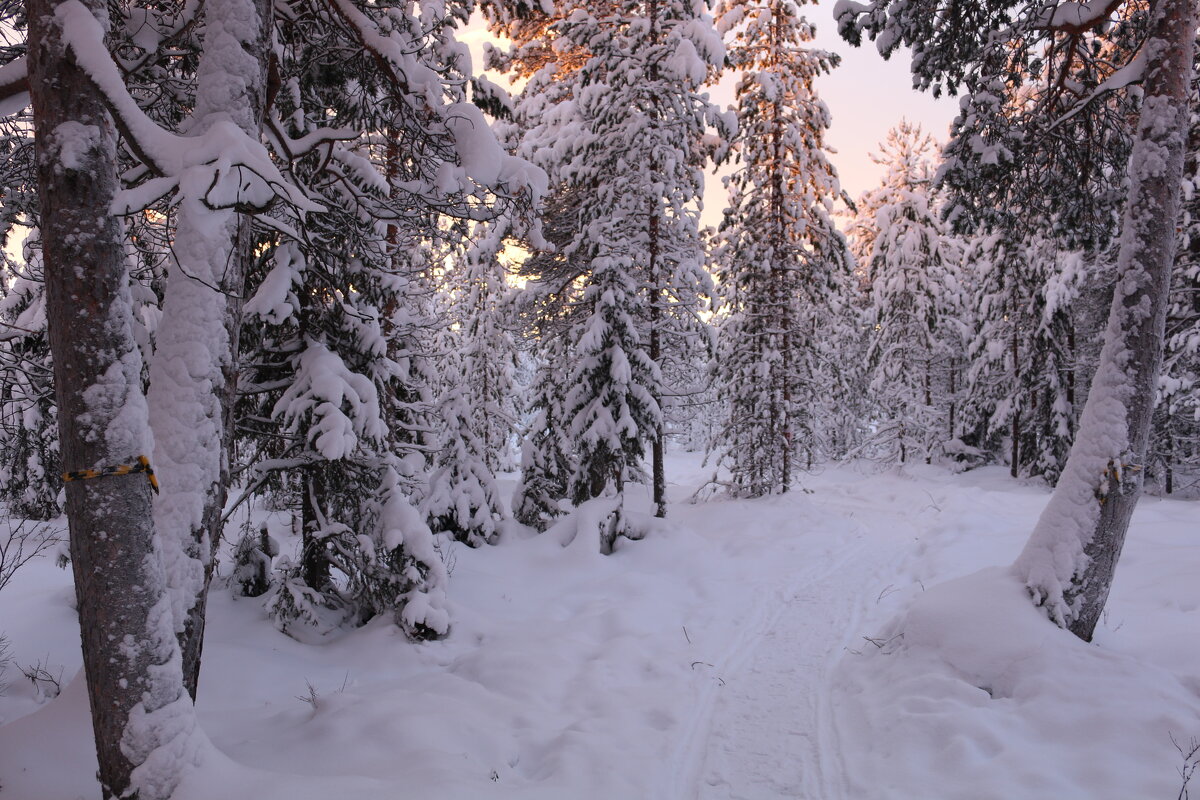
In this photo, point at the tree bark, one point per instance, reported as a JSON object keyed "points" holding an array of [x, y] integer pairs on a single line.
{"points": [[314, 558], [1071, 557], [130, 655], [658, 445], [1014, 468]]}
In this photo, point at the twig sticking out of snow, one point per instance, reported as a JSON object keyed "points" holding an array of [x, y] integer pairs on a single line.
{"points": [[24, 542]]}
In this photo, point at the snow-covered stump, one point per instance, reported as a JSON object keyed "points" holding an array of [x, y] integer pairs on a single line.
{"points": [[141, 716], [1070, 559]]}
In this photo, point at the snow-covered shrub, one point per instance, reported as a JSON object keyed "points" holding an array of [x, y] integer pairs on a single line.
{"points": [[252, 559], [292, 601]]}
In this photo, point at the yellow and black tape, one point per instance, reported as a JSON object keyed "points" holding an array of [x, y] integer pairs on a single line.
{"points": [[142, 464]]}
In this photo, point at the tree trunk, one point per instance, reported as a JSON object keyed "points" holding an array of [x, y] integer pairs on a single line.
{"points": [[953, 393], [928, 403], [1070, 559], [314, 558], [657, 448], [1015, 459], [193, 373], [1168, 468], [141, 716], [1093, 307]]}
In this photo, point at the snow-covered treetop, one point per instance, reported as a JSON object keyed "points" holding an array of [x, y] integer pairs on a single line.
{"points": [[398, 74], [1044, 118]]}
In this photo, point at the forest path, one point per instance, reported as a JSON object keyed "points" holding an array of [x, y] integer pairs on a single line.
{"points": [[767, 727]]}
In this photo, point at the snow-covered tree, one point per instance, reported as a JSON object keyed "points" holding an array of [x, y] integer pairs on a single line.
{"points": [[346, 362], [546, 456], [781, 260], [1029, 319], [478, 359], [611, 407], [462, 498], [691, 410], [1070, 559], [326, 378], [190, 393], [142, 716], [1060, 351], [30, 474], [910, 274], [483, 339], [626, 131]]}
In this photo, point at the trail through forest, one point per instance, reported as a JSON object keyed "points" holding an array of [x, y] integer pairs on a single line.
{"points": [[768, 728], [723, 657]]}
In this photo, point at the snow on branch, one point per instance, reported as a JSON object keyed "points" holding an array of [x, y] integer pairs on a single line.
{"points": [[1073, 17], [292, 149], [1126, 76], [14, 87], [480, 158], [224, 167]]}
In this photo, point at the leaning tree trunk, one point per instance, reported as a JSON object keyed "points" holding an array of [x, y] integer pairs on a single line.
{"points": [[141, 716], [193, 371], [1069, 561]]}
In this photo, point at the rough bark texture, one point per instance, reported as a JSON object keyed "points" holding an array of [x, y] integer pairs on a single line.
{"points": [[120, 587], [1072, 555]]}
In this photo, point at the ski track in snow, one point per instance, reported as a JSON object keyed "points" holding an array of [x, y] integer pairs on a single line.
{"points": [[769, 730]]}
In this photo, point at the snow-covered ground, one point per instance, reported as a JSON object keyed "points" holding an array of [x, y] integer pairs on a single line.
{"points": [[724, 656]]}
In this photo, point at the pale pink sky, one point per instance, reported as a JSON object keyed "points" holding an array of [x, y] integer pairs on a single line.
{"points": [[866, 96]]}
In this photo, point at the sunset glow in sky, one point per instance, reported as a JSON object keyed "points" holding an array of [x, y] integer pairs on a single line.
{"points": [[866, 96]]}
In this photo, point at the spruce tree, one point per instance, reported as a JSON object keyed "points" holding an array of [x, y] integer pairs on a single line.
{"points": [[909, 274], [638, 123], [547, 462], [781, 260]]}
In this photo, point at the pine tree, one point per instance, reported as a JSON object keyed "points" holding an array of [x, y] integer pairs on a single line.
{"points": [[781, 260], [481, 308], [142, 717]]}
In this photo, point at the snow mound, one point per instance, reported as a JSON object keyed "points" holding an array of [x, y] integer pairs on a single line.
{"points": [[973, 688]]}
